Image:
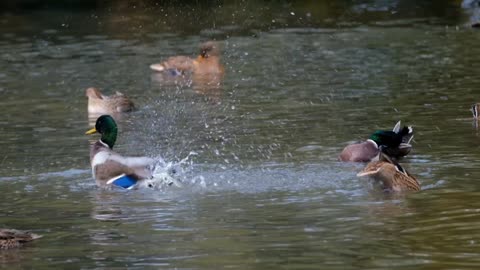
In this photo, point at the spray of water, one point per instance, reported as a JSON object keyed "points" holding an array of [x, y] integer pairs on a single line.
{"points": [[169, 173]]}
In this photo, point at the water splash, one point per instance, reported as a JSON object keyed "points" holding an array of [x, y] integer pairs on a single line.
{"points": [[169, 173]]}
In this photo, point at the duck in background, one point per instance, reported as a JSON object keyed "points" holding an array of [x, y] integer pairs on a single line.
{"points": [[101, 104], [474, 110], [204, 73], [110, 168], [10, 238], [397, 144], [472, 10], [392, 177], [207, 62]]}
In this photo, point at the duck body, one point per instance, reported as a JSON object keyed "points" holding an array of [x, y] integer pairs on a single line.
{"points": [[360, 152], [207, 65], [10, 238], [207, 62], [390, 175], [396, 144], [110, 168], [102, 104]]}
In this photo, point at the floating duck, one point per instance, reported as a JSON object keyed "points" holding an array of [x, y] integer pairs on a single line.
{"points": [[207, 62], [390, 175], [10, 238], [397, 144], [101, 104], [112, 169]]}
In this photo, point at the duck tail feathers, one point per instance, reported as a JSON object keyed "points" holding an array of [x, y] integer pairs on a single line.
{"points": [[406, 130], [474, 110], [35, 236], [397, 126], [407, 134]]}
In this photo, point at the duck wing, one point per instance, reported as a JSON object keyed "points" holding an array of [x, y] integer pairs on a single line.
{"points": [[119, 102], [107, 165]]}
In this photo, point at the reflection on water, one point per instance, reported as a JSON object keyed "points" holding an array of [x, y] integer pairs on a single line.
{"points": [[265, 189], [208, 85]]}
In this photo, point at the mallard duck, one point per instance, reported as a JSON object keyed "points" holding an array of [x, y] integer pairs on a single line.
{"points": [[10, 238], [391, 176], [397, 142], [110, 168], [208, 61], [100, 104]]}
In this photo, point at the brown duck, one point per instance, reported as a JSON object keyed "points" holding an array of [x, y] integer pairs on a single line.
{"points": [[102, 104], [390, 175], [10, 238], [207, 62]]}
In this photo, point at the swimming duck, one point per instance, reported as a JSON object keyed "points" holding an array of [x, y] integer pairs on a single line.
{"points": [[10, 238], [110, 168], [100, 104], [207, 62], [390, 175], [397, 142]]}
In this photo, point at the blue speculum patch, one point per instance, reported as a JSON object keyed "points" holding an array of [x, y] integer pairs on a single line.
{"points": [[123, 181], [174, 72]]}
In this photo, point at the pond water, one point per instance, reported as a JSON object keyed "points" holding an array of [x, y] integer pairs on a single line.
{"points": [[263, 189]]}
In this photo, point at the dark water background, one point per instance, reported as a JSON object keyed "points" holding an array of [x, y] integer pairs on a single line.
{"points": [[265, 190]]}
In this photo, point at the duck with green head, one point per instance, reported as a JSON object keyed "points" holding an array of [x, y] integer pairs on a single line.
{"points": [[110, 168], [396, 141]]}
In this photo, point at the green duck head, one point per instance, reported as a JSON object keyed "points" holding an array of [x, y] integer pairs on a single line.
{"points": [[107, 127], [386, 138]]}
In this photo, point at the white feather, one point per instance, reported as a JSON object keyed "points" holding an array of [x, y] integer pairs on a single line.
{"points": [[157, 67], [396, 128], [133, 161], [374, 143], [100, 158], [104, 156]]}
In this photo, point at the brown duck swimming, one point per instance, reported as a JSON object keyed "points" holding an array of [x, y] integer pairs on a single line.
{"points": [[207, 62], [390, 175], [10, 238], [102, 104]]}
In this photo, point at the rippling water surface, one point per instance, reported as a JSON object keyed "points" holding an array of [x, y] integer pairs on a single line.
{"points": [[264, 189]]}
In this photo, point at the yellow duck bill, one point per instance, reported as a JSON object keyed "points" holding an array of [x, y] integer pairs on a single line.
{"points": [[91, 131]]}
